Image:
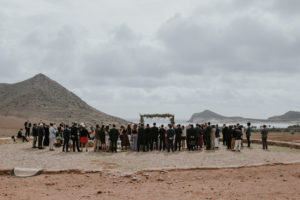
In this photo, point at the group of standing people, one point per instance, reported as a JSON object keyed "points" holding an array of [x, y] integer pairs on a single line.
{"points": [[139, 137]]}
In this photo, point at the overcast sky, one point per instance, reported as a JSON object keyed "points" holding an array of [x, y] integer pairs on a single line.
{"points": [[235, 57]]}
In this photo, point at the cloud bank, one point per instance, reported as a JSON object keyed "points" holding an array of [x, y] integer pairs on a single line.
{"points": [[125, 58]]}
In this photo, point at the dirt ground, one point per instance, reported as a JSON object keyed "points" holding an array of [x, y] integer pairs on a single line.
{"points": [[284, 137], [265, 182]]}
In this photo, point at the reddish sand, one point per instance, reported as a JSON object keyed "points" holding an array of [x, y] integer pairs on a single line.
{"points": [[266, 182]]}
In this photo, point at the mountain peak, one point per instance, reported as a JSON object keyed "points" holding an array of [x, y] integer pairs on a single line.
{"points": [[42, 98]]}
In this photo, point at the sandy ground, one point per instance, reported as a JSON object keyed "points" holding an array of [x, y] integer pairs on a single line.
{"points": [[22, 155], [267, 182], [130, 175], [284, 137]]}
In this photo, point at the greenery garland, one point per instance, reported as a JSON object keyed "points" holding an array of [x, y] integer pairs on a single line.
{"points": [[167, 115]]}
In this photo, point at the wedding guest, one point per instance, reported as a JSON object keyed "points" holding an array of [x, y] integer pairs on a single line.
{"points": [[35, 135], [102, 138], [75, 133], [248, 133], [52, 136], [129, 134], [154, 137], [217, 136], [66, 135], [178, 133], [212, 137], [113, 137], [124, 140], [41, 133], [233, 136], [264, 137], [201, 136], [170, 138], [238, 138], [84, 137], [183, 137], [134, 136], [224, 134], [208, 136], [191, 137], [229, 137], [46, 138], [107, 141], [197, 130], [147, 138], [162, 135], [27, 126], [20, 135], [97, 140]]}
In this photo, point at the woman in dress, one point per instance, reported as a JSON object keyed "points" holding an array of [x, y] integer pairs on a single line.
{"points": [[124, 138], [106, 131], [102, 138], [212, 137], [183, 137], [84, 138], [134, 136]]}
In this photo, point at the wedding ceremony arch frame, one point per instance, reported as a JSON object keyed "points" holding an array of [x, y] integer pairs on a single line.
{"points": [[166, 115]]}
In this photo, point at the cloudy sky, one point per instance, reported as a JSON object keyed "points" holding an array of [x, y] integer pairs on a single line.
{"points": [[145, 56]]}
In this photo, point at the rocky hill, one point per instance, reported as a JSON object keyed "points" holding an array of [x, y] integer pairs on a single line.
{"points": [[291, 116], [209, 116], [42, 98]]}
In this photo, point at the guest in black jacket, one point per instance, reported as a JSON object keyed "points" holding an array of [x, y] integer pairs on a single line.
{"points": [[141, 134], [35, 135], [27, 126], [208, 136], [41, 133], [46, 138], [113, 137], [170, 138], [74, 136], [147, 138], [224, 134], [66, 135], [178, 133], [20, 135], [191, 137], [162, 137], [154, 137]]}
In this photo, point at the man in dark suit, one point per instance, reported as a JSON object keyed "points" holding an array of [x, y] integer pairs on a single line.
{"points": [[170, 138], [178, 133], [224, 133], [162, 137], [41, 133], [35, 135], [113, 137], [248, 133], [208, 136], [154, 137], [264, 137], [141, 133], [74, 137], [27, 126], [147, 138]]}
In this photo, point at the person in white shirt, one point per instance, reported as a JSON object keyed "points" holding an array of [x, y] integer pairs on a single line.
{"points": [[52, 137]]}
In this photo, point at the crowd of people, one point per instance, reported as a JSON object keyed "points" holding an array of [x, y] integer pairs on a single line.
{"points": [[140, 137]]}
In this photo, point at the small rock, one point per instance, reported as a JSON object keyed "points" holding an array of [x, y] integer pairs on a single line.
{"points": [[49, 184], [163, 171], [99, 192], [134, 179], [160, 179], [281, 175]]}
